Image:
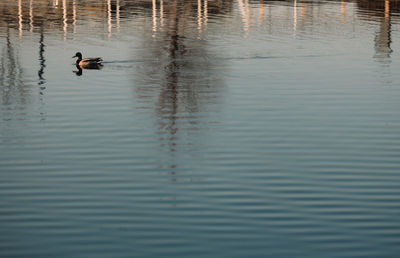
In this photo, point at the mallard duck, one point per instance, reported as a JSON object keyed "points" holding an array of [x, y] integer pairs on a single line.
{"points": [[88, 63]]}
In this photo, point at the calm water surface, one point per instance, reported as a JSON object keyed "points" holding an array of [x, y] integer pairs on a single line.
{"points": [[215, 129]]}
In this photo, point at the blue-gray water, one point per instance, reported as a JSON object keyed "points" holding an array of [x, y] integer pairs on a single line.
{"points": [[215, 129]]}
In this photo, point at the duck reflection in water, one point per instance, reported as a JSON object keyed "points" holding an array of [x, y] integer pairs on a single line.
{"points": [[79, 72]]}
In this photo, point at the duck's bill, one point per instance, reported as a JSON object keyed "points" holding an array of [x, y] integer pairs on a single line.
{"points": [[74, 56]]}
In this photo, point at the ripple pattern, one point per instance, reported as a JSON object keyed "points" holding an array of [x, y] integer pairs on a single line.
{"points": [[214, 129]]}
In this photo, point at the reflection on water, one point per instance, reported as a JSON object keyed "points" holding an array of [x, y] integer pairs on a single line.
{"points": [[12, 85], [216, 128], [79, 71], [42, 62], [383, 37], [181, 79]]}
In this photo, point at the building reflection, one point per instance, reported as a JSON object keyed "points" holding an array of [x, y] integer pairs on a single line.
{"points": [[294, 17], [245, 11], [343, 10], [380, 11], [63, 14], [59, 15], [383, 40], [20, 17], [383, 36]]}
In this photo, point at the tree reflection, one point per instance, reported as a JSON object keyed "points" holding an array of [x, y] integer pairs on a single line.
{"points": [[180, 77], [11, 79]]}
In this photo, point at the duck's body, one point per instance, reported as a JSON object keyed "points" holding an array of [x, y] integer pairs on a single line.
{"points": [[88, 63]]}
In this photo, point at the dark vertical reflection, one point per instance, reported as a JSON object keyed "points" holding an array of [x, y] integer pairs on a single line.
{"points": [[168, 99], [380, 12], [383, 38], [42, 62], [12, 86], [42, 65], [180, 77]]}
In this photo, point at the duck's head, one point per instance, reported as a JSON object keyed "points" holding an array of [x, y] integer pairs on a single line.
{"points": [[78, 55]]}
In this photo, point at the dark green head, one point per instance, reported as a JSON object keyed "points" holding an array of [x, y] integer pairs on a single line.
{"points": [[78, 55]]}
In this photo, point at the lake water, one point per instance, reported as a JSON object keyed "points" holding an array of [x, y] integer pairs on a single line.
{"points": [[214, 129]]}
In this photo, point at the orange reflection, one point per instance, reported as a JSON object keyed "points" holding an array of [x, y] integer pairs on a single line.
{"points": [[294, 17], [118, 16], [154, 14], [109, 19], [343, 11], [387, 8], [243, 6], [303, 10], [20, 17], [205, 13], [161, 13], [65, 19], [74, 15], [199, 15], [30, 16]]}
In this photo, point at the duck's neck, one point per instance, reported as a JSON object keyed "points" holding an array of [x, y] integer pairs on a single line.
{"points": [[78, 60]]}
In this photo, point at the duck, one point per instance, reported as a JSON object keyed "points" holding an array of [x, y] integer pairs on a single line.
{"points": [[88, 63]]}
